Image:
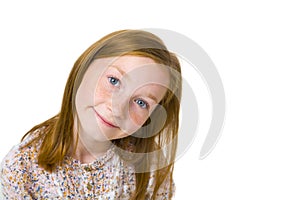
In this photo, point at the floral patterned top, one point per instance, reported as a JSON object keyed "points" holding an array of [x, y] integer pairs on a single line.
{"points": [[108, 177]]}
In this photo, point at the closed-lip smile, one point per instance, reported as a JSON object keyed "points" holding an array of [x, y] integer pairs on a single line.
{"points": [[106, 122]]}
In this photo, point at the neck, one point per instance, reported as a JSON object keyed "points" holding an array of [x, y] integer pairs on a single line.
{"points": [[88, 150]]}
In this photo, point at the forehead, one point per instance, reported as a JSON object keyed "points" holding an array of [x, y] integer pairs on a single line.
{"points": [[138, 69], [129, 62]]}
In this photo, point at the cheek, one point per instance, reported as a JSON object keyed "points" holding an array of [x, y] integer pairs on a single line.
{"points": [[137, 115], [102, 92]]}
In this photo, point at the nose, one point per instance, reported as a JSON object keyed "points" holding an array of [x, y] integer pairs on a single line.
{"points": [[120, 105]]}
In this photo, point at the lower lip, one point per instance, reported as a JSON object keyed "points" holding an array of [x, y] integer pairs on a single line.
{"points": [[105, 122]]}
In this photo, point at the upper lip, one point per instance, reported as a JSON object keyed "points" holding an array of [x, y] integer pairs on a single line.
{"points": [[106, 121]]}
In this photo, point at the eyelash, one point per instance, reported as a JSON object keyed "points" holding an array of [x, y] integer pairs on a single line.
{"points": [[145, 102], [110, 78]]}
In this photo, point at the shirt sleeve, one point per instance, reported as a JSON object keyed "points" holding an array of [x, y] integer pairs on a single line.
{"points": [[13, 176]]}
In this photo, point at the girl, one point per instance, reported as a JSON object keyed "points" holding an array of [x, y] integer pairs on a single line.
{"points": [[115, 136]]}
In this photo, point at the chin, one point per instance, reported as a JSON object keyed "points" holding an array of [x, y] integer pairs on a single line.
{"points": [[118, 136]]}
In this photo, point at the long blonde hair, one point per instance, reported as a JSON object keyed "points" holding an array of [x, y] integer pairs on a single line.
{"points": [[58, 137]]}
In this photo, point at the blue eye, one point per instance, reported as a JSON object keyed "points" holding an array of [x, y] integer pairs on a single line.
{"points": [[141, 103], [114, 81]]}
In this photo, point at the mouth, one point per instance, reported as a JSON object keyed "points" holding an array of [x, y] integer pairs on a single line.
{"points": [[105, 121]]}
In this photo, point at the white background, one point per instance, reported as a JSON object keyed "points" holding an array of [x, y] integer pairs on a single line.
{"points": [[255, 46]]}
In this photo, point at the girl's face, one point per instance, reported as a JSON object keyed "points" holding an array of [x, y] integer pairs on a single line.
{"points": [[117, 95]]}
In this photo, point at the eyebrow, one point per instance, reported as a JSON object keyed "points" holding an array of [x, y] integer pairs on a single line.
{"points": [[117, 68], [152, 97]]}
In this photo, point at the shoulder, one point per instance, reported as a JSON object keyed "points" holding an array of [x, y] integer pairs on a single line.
{"points": [[21, 156], [16, 168]]}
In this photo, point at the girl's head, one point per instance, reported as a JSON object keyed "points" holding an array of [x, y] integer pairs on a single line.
{"points": [[119, 81]]}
